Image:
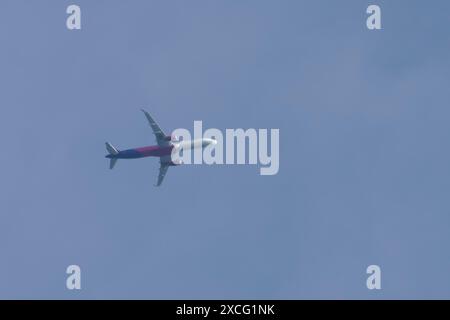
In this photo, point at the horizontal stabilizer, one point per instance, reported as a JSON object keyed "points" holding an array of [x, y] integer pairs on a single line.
{"points": [[112, 162]]}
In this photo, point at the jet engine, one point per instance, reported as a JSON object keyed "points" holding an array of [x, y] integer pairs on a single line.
{"points": [[176, 163], [172, 138]]}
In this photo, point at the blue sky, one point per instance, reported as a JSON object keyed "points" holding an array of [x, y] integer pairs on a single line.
{"points": [[364, 164]]}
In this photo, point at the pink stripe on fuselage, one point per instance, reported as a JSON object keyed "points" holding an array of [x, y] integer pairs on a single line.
{"points": [[155, 151]]}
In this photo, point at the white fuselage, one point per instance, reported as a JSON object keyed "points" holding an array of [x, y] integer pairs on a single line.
{"points": [[194, 144]]}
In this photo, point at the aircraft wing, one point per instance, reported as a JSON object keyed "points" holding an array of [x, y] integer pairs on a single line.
{"points": [[159, 134], [162, 173]]}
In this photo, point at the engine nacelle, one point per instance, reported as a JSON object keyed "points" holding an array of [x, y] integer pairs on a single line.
{"points": [[172, 138], [175, 138], [176, 163]]}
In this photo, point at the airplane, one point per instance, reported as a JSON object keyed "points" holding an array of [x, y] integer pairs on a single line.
{"points": [[163, 149]]}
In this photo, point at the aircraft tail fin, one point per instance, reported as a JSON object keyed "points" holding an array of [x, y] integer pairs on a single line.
{"points": [[111, 149], [112, 162]]}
